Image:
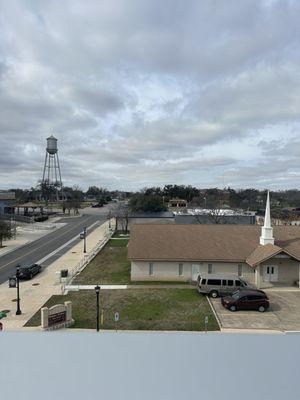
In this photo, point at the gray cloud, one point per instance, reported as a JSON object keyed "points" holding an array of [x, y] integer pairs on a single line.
{"points": [[145, 92]]}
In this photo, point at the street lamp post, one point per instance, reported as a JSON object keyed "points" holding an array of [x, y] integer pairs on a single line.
{"points": [[97, 290], [84, 239], [18, 312], [109, 224]]}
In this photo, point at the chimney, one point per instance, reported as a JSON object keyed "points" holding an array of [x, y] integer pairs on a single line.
{"points": [[267, 230]]}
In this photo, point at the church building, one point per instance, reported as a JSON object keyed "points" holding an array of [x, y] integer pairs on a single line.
{"points": [[263, 256]]}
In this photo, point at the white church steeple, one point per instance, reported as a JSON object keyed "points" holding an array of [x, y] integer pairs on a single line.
{"points": [[267, 230]]}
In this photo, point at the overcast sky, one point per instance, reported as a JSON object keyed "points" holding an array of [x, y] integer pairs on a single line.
{"points": [[141, 93]]}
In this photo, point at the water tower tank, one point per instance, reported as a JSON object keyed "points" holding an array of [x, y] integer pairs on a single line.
{"points": [[51, 145]]}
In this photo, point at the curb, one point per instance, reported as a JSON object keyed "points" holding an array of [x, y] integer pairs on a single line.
{"points": [[214, 312]]}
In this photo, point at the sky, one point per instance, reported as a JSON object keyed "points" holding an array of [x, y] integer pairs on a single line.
{"points": [[149, 92]]}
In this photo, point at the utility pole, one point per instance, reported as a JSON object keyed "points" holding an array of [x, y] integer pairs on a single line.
{"points": [[18, 312], [84, 239], [97, 290]]}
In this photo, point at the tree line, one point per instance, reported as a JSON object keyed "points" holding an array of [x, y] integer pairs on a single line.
{"points": [[156, 198]]}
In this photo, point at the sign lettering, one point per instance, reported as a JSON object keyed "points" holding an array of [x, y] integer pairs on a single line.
{"points": [[57, 318]]}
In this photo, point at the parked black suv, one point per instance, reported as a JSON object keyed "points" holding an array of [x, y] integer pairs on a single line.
{"points": [[28, 271]]}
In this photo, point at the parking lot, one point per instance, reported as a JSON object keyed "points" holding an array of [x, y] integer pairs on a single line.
{"points": [[283, 314]]}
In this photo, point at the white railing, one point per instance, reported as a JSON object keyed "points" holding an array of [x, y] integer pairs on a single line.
{"points": [[85, 261]]}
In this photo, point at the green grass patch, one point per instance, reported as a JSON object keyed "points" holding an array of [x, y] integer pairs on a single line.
{"points": [[118, 242], [110, 266], [139, 309]]}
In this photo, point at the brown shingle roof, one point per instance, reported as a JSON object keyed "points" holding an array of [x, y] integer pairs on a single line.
{"points": [[205, 242], [262, 253]]}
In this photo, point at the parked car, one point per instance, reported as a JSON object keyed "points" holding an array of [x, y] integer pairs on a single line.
{"points": [[246, 299], [97, 205], [28, 271], [219, 285]]}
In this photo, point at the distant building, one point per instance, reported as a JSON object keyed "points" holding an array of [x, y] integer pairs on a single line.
{"points": [[162, 217], [7, 202], [177, 203], [222, 216]]}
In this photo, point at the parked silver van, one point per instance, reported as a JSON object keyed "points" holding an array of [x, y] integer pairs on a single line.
{"points": [[219, 284]]}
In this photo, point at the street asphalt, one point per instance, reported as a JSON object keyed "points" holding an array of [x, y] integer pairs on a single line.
{"points": [[37, 250]]}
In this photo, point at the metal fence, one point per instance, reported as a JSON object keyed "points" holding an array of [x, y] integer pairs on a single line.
{"points": [[85, 261]]}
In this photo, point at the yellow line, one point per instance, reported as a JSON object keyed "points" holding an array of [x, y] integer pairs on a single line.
{"points": [[45, 244]]}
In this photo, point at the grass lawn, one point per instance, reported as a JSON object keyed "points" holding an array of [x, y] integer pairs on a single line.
{"points": [[117, 242], [139, 309], [110, 266]]}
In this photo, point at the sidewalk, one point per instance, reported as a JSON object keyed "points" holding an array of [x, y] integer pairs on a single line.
{"points": [[27, 234], [34, 293], [75, 287]]}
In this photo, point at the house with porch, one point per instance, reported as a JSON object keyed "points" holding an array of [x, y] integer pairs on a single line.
{"points": [[7, 202], [263, 256]]}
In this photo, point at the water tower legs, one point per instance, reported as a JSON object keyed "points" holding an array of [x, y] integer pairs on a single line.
{"points": [[51, 182]]}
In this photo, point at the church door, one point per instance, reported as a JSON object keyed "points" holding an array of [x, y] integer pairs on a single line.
{"points": [[195, 271], [270, 273]]}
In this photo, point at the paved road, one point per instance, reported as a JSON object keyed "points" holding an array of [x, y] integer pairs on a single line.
{"points": [[34, 251]]}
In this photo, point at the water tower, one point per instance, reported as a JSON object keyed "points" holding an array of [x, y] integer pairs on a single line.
{"points": [[51, 182]]}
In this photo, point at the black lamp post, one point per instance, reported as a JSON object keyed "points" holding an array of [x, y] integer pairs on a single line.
{"points": [[84, 241], [109, 225], [18, 312], [97, 290]]}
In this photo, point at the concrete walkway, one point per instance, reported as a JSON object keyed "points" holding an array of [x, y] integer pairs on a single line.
{"points": [[141, 286], [34, 293], [92, 287]]}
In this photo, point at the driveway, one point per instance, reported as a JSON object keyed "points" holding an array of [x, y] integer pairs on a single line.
{"points": [[283, 315]]}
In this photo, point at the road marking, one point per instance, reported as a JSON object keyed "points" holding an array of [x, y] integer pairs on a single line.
{"points": [[63, 246], [45, 244]]}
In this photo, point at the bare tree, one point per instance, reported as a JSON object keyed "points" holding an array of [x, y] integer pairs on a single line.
{"points": [[120, 211], [214, 216]]}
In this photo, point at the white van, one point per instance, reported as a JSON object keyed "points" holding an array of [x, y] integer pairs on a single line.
{"points": [[219, 284]]}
